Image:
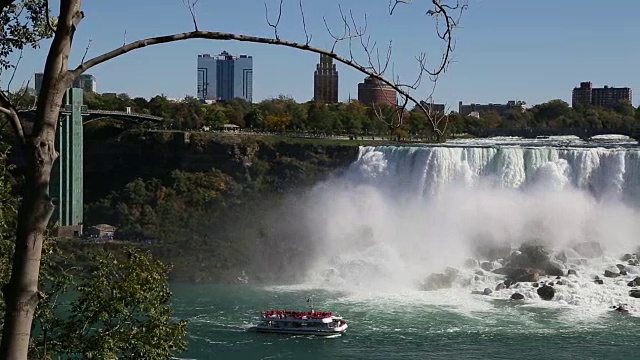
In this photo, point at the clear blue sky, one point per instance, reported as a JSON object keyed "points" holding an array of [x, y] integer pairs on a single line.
{"points": [[506, 49]]}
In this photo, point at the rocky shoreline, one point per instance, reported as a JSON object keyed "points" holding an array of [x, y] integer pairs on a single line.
{"points": [[535, 271]]}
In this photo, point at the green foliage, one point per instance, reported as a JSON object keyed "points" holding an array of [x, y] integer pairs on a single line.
{"points": [[120, 307], [121, 311], [8, 200], [153, 209], [22, 24], [281, 114], [553, 114]]}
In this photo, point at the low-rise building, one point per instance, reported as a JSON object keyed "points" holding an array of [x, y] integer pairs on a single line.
{"points": [[102, 231], [606, 96], [501, 109]]}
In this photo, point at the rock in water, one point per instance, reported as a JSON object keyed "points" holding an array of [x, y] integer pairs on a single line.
{"points": [[529, 263], [599, 281], [440, 281], [517, 296], [589, 249], [487, 291], [486, 266], [572, 272], [610, 274], [437, 282], [546, 292], [634, 282], [635, 293]]}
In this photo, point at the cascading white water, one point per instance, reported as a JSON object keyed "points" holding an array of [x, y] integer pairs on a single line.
{"points": [[401, 213]]}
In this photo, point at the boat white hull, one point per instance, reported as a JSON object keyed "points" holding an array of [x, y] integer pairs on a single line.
{"points": [[299, 331]]}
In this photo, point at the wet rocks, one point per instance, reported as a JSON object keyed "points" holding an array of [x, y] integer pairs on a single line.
{"points": [[610, 274], [627, 257], [635, 293], [599, 281], [517, 296], [486, 292], [486, 266], [439, 281], [631, 259], [521, 274], [529, 264], [508, 283], [546, 292], [634, 282], [572, 272]]}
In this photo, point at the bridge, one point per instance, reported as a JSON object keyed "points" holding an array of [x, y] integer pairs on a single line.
{"points": [[67, 176], [89, 115]]}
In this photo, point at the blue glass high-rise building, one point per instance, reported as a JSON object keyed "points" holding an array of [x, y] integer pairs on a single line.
{"points": [[225, 77]]}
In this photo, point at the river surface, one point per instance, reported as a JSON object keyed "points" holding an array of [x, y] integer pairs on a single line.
{"points": [[426, 325], [399, 214]]}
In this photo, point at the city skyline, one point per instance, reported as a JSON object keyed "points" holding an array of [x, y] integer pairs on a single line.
{"points": [[533, 61]]}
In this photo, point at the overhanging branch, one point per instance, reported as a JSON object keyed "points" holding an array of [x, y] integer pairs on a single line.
{"points": [[216, 35], [10, 111]]}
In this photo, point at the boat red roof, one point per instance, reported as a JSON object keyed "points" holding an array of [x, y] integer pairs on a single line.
{"points": [[312, 314]]}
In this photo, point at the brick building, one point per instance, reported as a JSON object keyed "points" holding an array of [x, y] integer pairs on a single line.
{"points": [[373, 91]]}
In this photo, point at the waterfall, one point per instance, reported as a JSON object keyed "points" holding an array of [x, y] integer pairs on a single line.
{"points": [[402, 212], [613, 174]]}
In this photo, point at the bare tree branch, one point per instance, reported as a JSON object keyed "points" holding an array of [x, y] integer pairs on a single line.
{"points": [[15, 68], [375, 65], [47, 14], [394, 3], [304, 25], [86, 50], [277, 23], [10, 111], [191, 6]]}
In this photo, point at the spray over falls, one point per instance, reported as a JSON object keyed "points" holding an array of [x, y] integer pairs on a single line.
{"points": [[401, 214]]}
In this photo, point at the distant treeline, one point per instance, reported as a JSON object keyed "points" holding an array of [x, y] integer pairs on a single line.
{"points": [[283, 114]]}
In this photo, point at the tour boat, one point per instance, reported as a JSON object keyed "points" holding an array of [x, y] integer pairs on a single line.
{"points": [[311, 322]]}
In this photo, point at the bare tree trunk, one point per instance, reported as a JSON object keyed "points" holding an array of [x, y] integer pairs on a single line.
{"points": [[21, 293]]}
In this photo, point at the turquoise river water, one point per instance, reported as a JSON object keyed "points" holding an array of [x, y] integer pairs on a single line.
{"points": [[426, 325]]}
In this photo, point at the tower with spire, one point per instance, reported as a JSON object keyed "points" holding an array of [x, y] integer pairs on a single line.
{"points": [[325, 81]]}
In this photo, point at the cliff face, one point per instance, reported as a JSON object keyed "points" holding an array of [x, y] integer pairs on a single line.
{"points": [[112, 163], [191, 219]]}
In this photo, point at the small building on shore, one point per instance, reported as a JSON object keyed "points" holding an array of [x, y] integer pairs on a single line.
{"points": [[229, 128], [102, 231]]}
